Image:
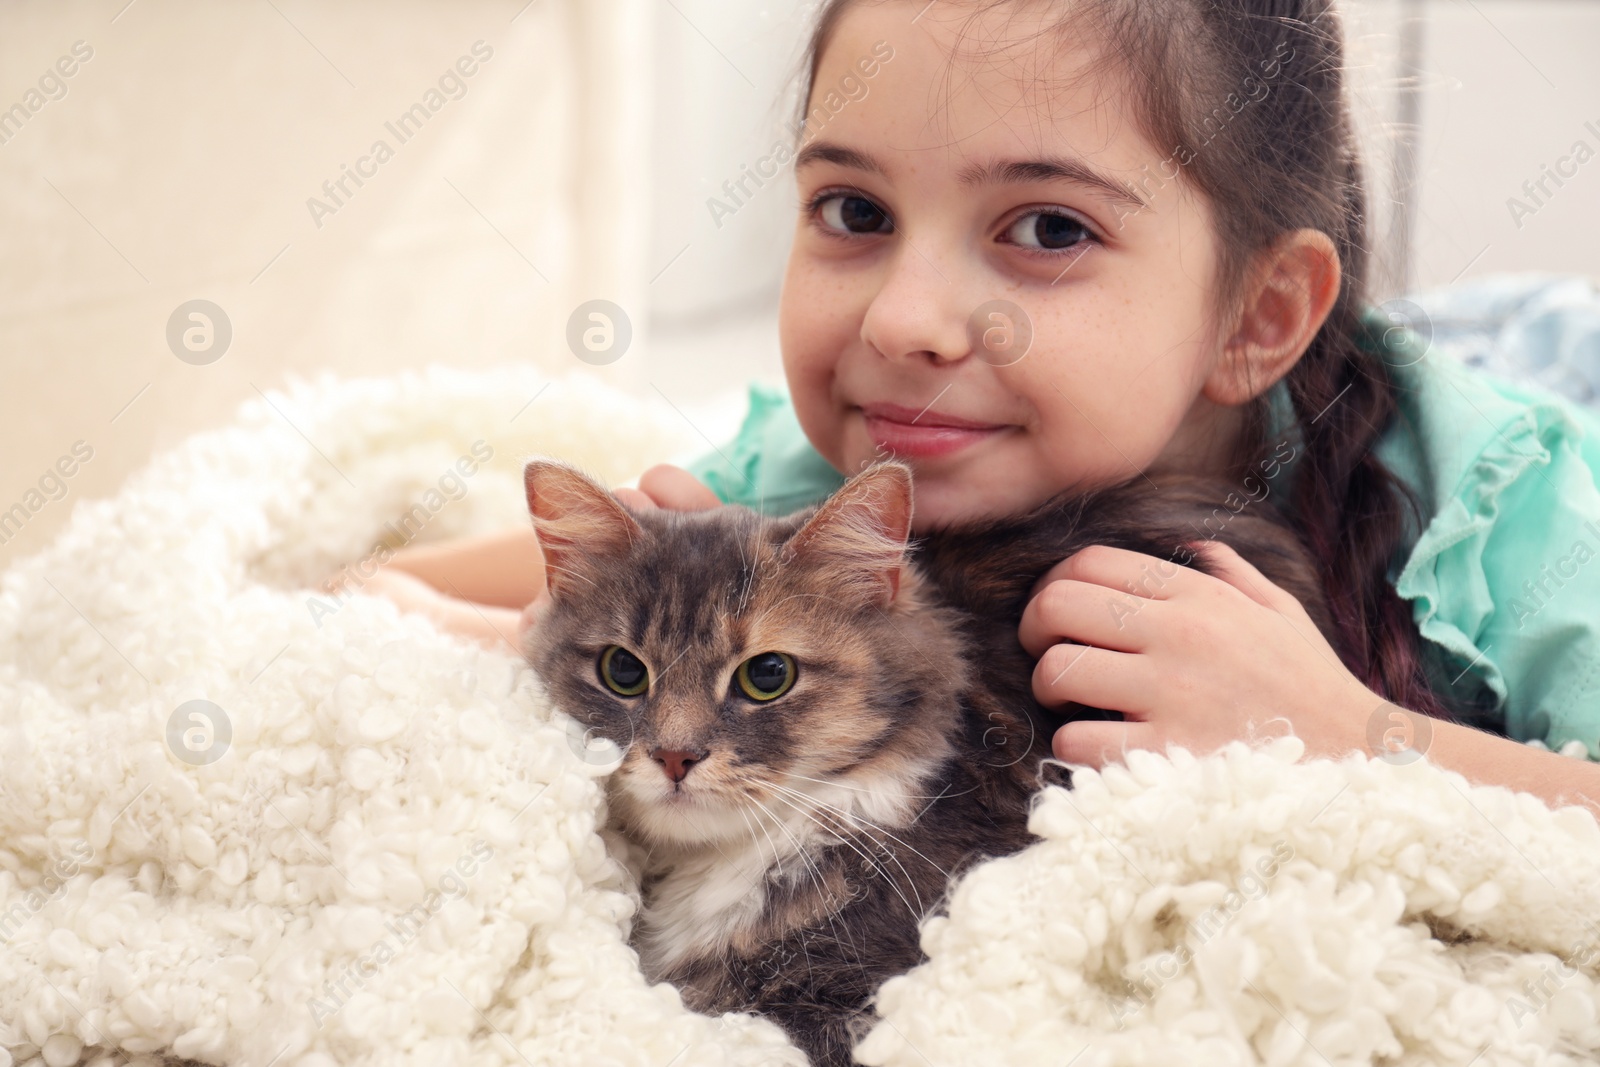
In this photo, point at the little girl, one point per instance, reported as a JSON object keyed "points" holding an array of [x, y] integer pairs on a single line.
{"points": [[1058, 245]]}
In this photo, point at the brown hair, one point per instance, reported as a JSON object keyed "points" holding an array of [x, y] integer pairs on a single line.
{"points": [[1285, 160]]}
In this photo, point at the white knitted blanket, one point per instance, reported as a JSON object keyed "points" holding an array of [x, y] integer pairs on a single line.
{"points": [[242, 824]]}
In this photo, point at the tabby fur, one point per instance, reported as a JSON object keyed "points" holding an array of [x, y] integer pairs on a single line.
{"points": [[789, 869]]}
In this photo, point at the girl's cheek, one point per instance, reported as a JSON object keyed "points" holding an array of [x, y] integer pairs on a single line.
{"points": [[820, 419], [1082, 434], [816, 323], [808, 369]]}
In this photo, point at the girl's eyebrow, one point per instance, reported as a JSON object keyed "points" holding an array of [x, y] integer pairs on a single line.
{"points": [[837, 154], [1048, 169], [1005, 171]]}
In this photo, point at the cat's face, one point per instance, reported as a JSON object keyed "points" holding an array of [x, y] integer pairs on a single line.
{"points": [[744, 665]]}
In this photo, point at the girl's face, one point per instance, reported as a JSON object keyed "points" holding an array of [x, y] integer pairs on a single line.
{"points": [[957, 180]]}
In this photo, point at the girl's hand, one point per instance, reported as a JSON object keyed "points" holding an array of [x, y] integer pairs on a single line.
{"points": [[1190, 659], [666, 486], [406, 591]]}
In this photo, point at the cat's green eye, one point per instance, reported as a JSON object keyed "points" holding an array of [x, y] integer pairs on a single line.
{"points": [[622, 672], [767, 676]]}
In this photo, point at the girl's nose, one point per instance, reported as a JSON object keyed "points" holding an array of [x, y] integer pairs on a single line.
{"points": [[917, 313]]}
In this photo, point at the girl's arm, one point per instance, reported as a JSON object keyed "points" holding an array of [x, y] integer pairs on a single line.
{"points": [[1212, 659], [472, 586], [488, 623], [504, 569], [479, 586], [1491, 760]]}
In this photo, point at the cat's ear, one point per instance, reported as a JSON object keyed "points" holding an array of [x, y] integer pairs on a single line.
{"points": [[578, 523], [858, 536]]}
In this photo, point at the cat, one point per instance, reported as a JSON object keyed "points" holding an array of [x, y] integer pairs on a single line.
{"points": [[822, 724]]}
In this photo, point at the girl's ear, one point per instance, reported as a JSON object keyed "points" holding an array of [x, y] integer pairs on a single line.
{"points": [[1292, 289], [858, 536], [579, 524]]}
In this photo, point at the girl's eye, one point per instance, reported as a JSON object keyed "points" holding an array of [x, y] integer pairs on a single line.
{"points": [[852, 214], [767, 676], [1047, 232], [622, 672]]}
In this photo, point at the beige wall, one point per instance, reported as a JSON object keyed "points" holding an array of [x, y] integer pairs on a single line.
{"points": [[1504, 86], [1509, 87], [179, 163]]}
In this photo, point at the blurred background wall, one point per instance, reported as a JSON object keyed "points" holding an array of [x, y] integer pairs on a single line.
{"points": [[176, 162]]}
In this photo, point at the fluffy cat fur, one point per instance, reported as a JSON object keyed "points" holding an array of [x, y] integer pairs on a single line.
{"points": [[794, 846]]}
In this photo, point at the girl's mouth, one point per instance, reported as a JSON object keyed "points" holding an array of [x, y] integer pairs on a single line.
{"points": [[923, 434]]}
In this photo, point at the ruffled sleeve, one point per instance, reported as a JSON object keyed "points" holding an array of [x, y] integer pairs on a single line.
{"points": [[769, 465], [1505, 576]]}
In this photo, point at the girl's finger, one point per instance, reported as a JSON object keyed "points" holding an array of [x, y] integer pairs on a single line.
{"points": [[1119, 568], [1085, 613], [1094, 743], [1230, 567], [634, 499], [1096, 677], [676, 489]]}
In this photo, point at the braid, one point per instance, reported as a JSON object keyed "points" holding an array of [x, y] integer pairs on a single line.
{"points": [[1350, 510]]}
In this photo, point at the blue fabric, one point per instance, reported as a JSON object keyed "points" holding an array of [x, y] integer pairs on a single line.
{"points": [[1538, 328]]}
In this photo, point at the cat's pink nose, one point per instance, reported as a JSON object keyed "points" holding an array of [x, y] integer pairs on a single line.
{"points": [[676, 762]]}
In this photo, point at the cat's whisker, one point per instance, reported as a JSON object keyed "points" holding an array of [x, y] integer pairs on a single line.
{"points": [[800, 850], [854, 821], [689, 817], [671, 665], [924, 810], [811, 867], [840, 827], [887, 877], [747, 586], [861, 819], [839, 835], [872, 791], [795, 596], [846, 840], [767, 834], [745, 815], [816, 880], [807, 864]]}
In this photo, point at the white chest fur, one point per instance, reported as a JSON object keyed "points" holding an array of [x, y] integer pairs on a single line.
{"points": [[702, 895], [700, 900]]}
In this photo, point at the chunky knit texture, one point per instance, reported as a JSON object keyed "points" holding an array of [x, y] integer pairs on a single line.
{"points": [[1247, 909], [393, 857]]}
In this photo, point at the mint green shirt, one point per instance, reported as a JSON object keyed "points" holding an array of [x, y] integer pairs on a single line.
{"points": [[1503, 579]]}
